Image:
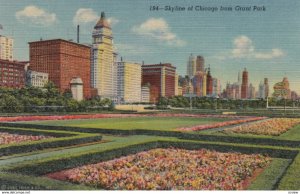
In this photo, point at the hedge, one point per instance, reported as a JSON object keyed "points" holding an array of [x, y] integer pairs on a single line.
{"points": [[54, 165], [291, 179], [10, 149], [22, 131], [11, 181], [178, 134]]}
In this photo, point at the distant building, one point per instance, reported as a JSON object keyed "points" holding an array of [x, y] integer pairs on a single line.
{"points": [[36, 79], [129, 82], [161, 78], [282, 89], [194, 65], [244, 92], [176, 84], [191, 66], [252, 92], [103, 66], [266, 84], [12, 74], [232, 91], [145, 94], [209, 83], [199, 83], [261, 90], [62, 60], [216, 87], [6, 48], [179, 91], [294, 95], [200, 66]]}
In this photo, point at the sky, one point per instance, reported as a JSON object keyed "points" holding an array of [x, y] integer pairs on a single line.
{"points": [[267, 42]]}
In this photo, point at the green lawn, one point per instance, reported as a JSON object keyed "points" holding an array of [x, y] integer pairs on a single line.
{"points": [[149, 123]]}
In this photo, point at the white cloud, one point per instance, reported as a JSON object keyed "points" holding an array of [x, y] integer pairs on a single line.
{"points": [[85, 15], [36, 16], [112, 21], [244, 48], [275, 53], [88, 15], [158, 29]]}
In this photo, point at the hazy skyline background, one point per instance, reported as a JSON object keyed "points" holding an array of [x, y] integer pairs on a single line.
{"points": [[267, 43]]}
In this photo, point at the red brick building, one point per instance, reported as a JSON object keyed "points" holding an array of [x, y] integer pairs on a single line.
{"points": [[12, 74], [62, 60], [161, 78]]}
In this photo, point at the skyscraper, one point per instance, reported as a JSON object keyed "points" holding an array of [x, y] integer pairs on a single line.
{"points": [[209, 83], [6, 48], [129, 82], [244, 93], [191, 66], [200, 66], [252, 92], [266, 84], [103, 68]]}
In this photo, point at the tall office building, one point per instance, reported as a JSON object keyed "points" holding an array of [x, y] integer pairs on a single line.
{"points": [[63, 61], [6, 48], [191, 66], [266, 84], [252, 92], [129, 82], [244, 92], [103, 66], [161, 78], [261, 90], [200, 66], [209, 83]]}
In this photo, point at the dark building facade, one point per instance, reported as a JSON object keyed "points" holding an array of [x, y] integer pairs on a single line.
{"points": [[161, 78], [209, 84], [62, 60], [12, 74], [244, 93]]}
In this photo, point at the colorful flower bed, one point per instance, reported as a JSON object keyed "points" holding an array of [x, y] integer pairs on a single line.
{"points": [[7, 138], [274, 126], [97, 116], [220, 124], [170, 169]]}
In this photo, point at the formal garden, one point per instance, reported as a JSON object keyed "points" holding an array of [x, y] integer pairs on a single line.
{"points": [[154, 151]]}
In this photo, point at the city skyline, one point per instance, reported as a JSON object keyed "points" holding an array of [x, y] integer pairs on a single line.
{"points": [[265, 42]]}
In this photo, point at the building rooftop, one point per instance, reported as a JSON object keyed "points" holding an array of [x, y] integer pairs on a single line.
{"points": [[160, 65], [61, 40]]}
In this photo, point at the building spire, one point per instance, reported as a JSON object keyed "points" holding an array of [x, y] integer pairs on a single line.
{"points": [[102, 14], [102, 22]]}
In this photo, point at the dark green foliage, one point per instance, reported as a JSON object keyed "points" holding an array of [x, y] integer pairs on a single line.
{"points": [[48, 99], [178, 134], [62, 139], [45, 167]]}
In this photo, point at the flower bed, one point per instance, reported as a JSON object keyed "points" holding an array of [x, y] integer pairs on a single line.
{"points": [[7, 138], [165, 169], [220, 124], [274, 126], [97, 116]]}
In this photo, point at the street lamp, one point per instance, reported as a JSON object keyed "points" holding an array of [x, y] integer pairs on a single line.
{"points": [[190, 92]]}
